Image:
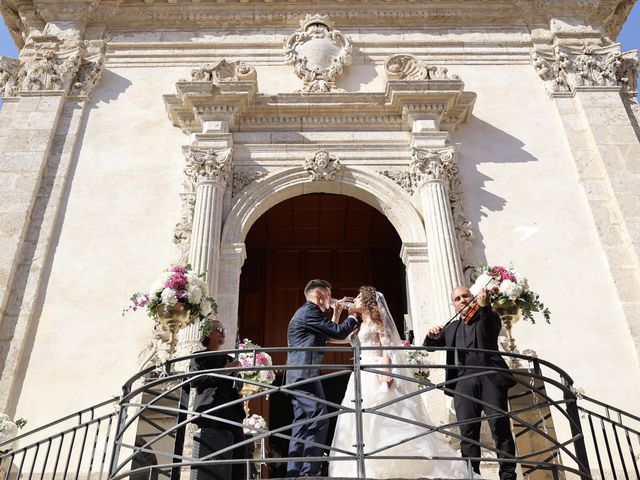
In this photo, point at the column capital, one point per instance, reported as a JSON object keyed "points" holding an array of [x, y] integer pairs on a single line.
{"points": [[567, 68], [207, 165], [414, 253], [433, 165]]}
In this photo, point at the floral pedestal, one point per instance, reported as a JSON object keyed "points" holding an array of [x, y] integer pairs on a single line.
{"points": [[509, 315], [173, 319]]}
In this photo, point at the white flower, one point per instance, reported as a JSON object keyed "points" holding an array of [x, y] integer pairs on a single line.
{"points": [[483, 281], [168, 297], [205, 307], [194, 294], [510, 290]]}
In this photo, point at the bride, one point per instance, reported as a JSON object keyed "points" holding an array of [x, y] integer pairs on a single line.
{"points": [[392, 435]]}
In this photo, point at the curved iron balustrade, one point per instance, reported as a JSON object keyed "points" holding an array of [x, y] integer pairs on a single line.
{"points": [[80, 445]]}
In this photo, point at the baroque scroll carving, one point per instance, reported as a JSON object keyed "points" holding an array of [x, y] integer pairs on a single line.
{"points": [[241, 179], [318, 53], [564, 68], [9, 76], [223, 71], [408, 67], [321, 165]]}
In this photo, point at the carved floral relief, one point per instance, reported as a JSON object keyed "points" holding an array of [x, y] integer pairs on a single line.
{"points": [[318, 53], [408, 67]]}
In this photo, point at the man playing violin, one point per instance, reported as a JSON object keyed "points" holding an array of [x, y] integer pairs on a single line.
{"points": [[474, 390]]}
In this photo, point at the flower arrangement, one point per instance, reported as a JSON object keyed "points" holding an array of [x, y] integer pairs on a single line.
{"points": [[507, 288], [418, 358], [176, 285], [262, 359], [8, 430], [254, 424]]}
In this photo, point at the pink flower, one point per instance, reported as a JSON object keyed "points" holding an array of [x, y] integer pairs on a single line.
{"points": [[177, 281], [179, 269], [405, 343], [504, 274]]}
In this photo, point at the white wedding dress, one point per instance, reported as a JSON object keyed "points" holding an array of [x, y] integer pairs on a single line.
{"points": [[381, 431]]}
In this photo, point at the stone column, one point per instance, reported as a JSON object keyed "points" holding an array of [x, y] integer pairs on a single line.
{"points": [[209, 170], [232, 257], [433, 170], [415, 259]]}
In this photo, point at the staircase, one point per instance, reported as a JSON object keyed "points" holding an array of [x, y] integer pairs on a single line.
{"points": [[146, 433]]}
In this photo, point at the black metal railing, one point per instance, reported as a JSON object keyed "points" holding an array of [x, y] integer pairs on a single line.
{"points": [[73, 447], [613, 439], [147, 432]]}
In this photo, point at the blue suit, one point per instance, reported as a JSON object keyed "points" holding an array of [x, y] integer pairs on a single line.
{"points": [[310, 328]]}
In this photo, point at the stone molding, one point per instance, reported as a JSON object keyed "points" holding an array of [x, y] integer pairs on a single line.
{"points": [[408, 67], [321, 165], [207, 165], [183, 229], [565, 68], [318, 53]]}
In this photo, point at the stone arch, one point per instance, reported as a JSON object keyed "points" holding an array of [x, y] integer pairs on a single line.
{"points": [[372, 188]]}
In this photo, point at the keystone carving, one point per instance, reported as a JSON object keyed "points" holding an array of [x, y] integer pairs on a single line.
{"points": [[322, 166], [564, 68], [223, 71], [408, 67], [207, 165], [318, 53]]}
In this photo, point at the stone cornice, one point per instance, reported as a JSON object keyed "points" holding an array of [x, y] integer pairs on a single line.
{"points": [[239, 104], [586, 17]]}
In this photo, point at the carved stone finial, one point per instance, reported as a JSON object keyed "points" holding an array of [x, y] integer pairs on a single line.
{"points": [[322, 166], [223, 71], [408, 67], [207, 165], [318, 53], [433, 165], [564, 68]]}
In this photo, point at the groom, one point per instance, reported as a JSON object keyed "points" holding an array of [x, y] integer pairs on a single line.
{"points": [[477, 329], [310, 328]]}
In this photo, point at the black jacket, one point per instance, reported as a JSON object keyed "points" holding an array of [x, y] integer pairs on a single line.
{"points": [[310, 328], [486, 329], [213, 391]]}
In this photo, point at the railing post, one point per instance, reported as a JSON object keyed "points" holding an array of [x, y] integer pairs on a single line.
{"points": [[178, 446], [357, 382], [122, 421], [576, 429]]}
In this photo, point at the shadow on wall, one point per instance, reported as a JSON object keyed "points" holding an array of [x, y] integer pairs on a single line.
{"points": [[481, 143], [110, 87]]}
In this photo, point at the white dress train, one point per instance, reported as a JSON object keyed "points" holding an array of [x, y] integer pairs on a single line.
{"points": [[381, 431]]}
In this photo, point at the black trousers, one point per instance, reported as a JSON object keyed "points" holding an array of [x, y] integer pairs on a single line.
{"points": [[208, 440], [467, 409]]}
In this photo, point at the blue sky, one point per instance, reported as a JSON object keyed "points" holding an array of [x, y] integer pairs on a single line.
{"points": [[629, 36]]}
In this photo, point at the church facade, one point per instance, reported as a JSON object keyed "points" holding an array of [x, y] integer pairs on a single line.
{"points": [[394, 143]]}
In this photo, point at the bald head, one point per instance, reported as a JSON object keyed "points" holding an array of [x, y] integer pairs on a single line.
{"points": [[461, 297]]}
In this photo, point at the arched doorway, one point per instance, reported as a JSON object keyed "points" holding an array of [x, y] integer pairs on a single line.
{"points": [[335, 237]]}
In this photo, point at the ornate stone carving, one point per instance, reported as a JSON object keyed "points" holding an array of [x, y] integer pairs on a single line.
{"points": [[50, 72], [87, 78], [433, 165], [322, 166], [402, 178], [242, 179], [207, 165], [223, 71], [463, 227], [182, 230], [318, 53], [564, 68], [9, 76], [408, 67]]}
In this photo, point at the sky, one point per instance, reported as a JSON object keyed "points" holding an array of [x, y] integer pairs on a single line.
{"points": [[629, 36]]}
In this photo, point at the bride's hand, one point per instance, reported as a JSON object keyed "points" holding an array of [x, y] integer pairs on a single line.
{"points": [[388, 380]]}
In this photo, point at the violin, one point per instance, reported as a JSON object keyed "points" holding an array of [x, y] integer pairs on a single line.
{"points": [[471, 310]]}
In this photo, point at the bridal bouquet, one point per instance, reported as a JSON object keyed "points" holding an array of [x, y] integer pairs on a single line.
{"points": [[418, 358], [9, 430], [176, 285], [261, 359], [254, 424], [510, 288]]}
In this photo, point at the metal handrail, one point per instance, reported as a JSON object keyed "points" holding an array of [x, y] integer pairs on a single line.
{"points": [[90, 446]]}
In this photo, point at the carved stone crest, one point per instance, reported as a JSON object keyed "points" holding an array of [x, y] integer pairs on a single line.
{"points": [[318, 53], [564, 68], [408, 67], [223, 71], [322, 166]]}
